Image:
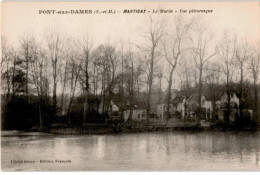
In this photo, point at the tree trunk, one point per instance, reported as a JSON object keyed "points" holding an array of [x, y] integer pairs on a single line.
{"points": [[256, 118], [169, 94], [227, 117], [54, 98], [8, 83], [13, 80], [241, 92], [63, 98], [200, 86], [132, 93], [160, 91], [27, 71], [86, 90], [150, 83]]}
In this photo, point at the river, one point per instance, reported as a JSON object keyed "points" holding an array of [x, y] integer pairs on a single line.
{"points": [[162, 151]]}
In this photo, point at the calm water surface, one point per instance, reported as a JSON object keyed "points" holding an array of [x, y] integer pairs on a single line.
{"points": [[140, 151]]}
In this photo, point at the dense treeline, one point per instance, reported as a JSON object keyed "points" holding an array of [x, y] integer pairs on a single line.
{"points": [[72, 81]]}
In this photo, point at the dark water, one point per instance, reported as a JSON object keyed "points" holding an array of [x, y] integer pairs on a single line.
{"points": [[140, 151]]}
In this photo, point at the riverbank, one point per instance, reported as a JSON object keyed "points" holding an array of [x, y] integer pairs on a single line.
{"points": [[114, 130], [11, 133], [119, 130], [103, 128]]}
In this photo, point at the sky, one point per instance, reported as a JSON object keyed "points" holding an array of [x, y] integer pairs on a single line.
{"points": [[23, 18], [19, 18]]}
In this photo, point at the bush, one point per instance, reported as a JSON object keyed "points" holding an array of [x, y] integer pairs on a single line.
{"points": [[177, 114], [23, 114], [245, 121], [201, 113]]}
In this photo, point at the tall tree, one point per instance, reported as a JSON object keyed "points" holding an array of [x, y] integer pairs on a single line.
{"points": [[74, 71], [212, 80], [37, 68], [154, 35], [254, 68], [6, 61], [86, 46], [227, 56], [27, 43], [201, 44], [106, 57], [241, 56], [173, 48], [55, 48]]}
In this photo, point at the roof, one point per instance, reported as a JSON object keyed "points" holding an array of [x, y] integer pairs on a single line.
{"points": [[140, 105], [137, 104], [124, 104], [118, 101], [177, 99]]}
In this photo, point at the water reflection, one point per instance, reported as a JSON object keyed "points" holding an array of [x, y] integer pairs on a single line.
{"points": [[143, 151]]}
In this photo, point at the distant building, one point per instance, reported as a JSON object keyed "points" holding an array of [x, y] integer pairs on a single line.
{"points": [[185, 103], [138, 112], [162, 106], [222, 106], [162, 110], [112, 108]]}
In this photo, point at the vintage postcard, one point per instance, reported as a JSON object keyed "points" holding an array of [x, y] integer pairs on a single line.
{"points": [[130, 86]]}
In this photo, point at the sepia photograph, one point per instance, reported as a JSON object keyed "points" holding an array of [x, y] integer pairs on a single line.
{"points": [[130, 86]]}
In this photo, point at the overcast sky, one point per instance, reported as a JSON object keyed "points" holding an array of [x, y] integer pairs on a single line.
{"points": [[20, 18]]}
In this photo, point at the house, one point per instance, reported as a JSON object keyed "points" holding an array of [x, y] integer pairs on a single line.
{"points": [[213, 103], [185, 102], [162, 110], [178, 104], [138, 112], [192, 105], [208, 106], [222, 106], [162, 106], [113, 107]]}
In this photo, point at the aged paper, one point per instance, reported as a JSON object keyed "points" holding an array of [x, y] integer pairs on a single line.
{"points": [[130, 86]]}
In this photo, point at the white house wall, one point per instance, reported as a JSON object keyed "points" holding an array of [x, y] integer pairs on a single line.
{"points": [[138, 115]]}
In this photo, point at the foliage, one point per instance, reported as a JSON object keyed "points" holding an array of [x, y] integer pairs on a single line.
{"points": [[20, 114]]}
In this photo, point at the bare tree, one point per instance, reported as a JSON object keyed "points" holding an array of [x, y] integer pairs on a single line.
{"points": [[160, 76], [139, 72], [55, 48], [212, 80], [154, 35], [37, 68], [173, 49], [74, 75], [106, 57], [122, 56], [227, 55], [111, 57], [129, 69], [27, 43], [241, 59], [6, 61], [64, 79], [201, 51], [86, 46], [254, 68]]}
